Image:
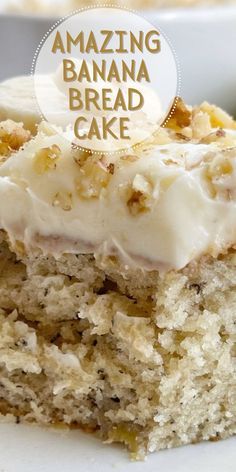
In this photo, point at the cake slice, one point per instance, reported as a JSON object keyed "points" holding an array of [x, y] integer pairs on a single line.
{"points": [[118, 283]]}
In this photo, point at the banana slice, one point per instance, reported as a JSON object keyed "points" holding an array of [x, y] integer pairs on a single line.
{"points": [[18, 102]]}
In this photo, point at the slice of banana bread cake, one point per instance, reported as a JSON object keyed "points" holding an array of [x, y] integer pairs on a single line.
{"points": [[118, 283]]}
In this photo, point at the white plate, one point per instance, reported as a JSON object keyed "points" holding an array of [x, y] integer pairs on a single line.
{"points": [[32, 449]]}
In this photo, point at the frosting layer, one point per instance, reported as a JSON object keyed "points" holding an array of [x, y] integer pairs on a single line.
{"points": [[158, 208]]}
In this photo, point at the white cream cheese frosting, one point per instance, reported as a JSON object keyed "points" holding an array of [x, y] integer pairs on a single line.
{"points": [[158, 208]]}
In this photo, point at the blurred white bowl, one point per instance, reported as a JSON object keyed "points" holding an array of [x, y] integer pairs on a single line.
{"points": [[204, 40]]}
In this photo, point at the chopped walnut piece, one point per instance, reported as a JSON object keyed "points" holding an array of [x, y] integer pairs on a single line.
{"points": [[198, 124], [80, 157], [46, 158], [213, 136], [12, 137], [136, 202], [5, 151], [218, 117], [139, 195], [129, 158], [111, 168], [182, 137], [201, 125], [170, 161], [181, 116], [220, 133], [218, 168], [223, 139], [91, 179], [108, 167], [93, 174], [18, 137], [63, 200]]}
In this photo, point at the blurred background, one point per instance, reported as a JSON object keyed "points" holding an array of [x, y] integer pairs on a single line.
{"points": [[203, 37]]}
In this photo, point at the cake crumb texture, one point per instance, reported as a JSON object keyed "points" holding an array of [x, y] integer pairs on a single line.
{"points": [[145, 360]]}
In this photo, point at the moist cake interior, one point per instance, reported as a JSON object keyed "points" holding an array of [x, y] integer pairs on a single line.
{"points": [[141, 357]]}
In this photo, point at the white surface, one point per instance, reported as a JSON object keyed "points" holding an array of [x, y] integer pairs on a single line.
{"points": [[31, 449]]}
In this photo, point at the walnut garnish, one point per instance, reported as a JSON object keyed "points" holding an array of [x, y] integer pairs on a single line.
{"points": [[220, 166], [46, 159], [92, 179], [5, 151], [216, 172], [182, 137], [218, 117], [200, 125], [129, 158], [93, 174], [108, 167], [139, 195], [63, 200], [136, 202], [18, 137], [80, 157], [111, 168], [220, 133], [213, 136], [181, 117], [12, 137]]}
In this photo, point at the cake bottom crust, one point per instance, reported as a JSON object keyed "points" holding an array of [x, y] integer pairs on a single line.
{"points": [[142, 359]]}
